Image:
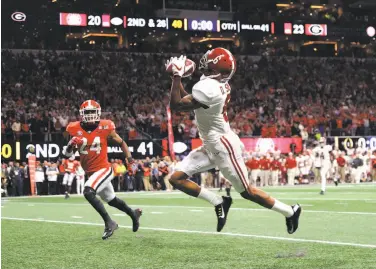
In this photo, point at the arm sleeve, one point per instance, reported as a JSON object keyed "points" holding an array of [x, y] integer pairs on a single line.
{"points": [[207, 93]]}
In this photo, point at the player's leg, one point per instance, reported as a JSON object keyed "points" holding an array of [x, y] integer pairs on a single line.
{"points": [[228, 188], [69, 183], [65, 184], [232, 166], [198, 161], [107, 194], [323, 175], [90, 192]]}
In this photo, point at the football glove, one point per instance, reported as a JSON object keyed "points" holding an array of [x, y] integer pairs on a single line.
{"points": [[178, 65], [75, 141]]}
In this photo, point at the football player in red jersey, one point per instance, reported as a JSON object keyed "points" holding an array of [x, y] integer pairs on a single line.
{"points": [[89, 138], [70, 166]]}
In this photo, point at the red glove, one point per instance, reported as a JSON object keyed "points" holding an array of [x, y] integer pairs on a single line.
{"points": [[75, 141]]}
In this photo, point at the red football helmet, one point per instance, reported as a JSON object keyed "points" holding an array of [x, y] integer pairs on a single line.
{"points": [[219, 60], [90, 111]]}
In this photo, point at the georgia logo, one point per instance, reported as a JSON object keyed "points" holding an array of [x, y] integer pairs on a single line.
{"points": [[218, 58], [18, 16], [74, 19], [316, 29]]}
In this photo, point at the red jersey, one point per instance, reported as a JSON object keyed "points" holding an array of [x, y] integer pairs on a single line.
{"points": [[253, 164], [290, 163], [70, 166], [341, 161], [265, 164], [275, 165], [93, 151]]}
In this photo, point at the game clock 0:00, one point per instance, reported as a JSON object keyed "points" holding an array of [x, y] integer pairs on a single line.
{"points": [[202, 25]]}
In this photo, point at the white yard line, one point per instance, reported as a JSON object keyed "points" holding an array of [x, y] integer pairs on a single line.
{"points": [[76, 217], [156, 212], [206, 207], [209, 233]]}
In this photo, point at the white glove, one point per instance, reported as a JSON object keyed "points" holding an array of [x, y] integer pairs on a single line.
{"points": [[178, 65]]}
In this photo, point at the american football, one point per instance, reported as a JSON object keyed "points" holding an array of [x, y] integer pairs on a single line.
{"points": [[190, 67]]}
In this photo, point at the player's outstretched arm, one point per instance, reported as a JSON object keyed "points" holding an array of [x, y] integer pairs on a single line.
{"points": [[177, 103], [124, 147]]}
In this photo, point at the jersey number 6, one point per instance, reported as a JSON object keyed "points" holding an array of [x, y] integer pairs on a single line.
{"points": [[95, 146]]}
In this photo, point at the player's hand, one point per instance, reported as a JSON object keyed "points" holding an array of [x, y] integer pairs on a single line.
{"points": [[75, 141], [178, 65]]}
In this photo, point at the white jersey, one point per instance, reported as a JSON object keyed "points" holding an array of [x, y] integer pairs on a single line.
{"points": [[323, 153], [212, 122]]}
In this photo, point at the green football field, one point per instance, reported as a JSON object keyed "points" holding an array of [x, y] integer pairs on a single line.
{"points": [[337, 230]]}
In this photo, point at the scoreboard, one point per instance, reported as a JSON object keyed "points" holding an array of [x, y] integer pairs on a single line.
{"points": [[208, 25], [205, 25]]}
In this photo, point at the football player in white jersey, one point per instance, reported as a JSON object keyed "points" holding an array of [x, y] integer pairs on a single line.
{"points": [[221, 146], [322, 152]]}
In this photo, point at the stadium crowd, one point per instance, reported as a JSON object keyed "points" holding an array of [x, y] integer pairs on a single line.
{"points": [[271, 97], [268, 169]]}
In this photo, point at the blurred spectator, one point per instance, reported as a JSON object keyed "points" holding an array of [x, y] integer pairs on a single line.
{"points": [[39, 178], [52, 172]]}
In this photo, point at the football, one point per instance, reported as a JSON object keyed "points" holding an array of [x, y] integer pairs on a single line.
{"points": [[190, 67]]}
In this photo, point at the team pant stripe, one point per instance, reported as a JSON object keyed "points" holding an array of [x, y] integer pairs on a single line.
{"points": [[234, 161], [104, 180], [101, 177]]}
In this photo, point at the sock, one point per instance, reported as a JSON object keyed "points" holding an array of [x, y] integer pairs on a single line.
{"points": [[121, 205], [228, 191], [282, 208], [220, 186], [210, 197], [97, 204]]}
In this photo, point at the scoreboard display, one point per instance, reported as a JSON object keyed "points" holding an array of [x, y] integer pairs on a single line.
{"points": [[307, 29], [208, 25], [204, 25]]}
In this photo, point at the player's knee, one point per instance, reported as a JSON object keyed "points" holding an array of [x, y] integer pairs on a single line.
{"points": [[176, 177], [89, 193], [250, 193]]}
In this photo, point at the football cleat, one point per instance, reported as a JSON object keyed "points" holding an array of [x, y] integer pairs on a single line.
{"points": [[66, 195], [221, 211], [292, 222], [322, 192], [109, 229], [136, 219]]}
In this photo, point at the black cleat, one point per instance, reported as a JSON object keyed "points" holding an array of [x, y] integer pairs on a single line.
{"points": [[136, 219], [222, 211], [336, 182], [322, 192], [292, 222], [66, 195], [109, 229]]}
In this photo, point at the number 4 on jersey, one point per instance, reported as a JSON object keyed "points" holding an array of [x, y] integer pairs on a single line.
{"points": [[95, 146]]}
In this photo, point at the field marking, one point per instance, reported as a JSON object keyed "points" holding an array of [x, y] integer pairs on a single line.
{"points": [[196, 210], [119, 215], [157, 212], [206, 207], [76, 217], [205, 232]]}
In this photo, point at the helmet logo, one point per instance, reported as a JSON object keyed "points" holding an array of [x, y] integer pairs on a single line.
{"points": [[218, 58]]}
